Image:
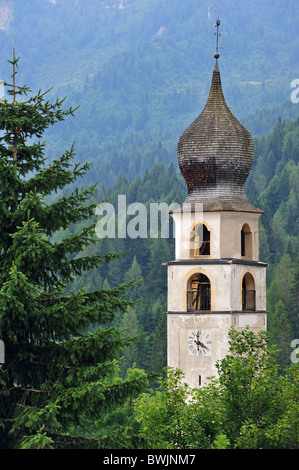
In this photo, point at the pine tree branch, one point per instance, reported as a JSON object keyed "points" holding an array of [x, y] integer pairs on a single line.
{"points": [[25, 389], [54, 361]]}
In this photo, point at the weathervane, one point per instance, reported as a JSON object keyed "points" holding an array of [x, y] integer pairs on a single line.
{"points": [[217, 34]]}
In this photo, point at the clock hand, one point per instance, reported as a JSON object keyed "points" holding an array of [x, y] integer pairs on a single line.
{"points": [[199, 343]]}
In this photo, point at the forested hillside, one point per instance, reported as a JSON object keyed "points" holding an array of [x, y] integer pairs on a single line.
{"points": [[140, 70], [137, 72], [273, 186]]}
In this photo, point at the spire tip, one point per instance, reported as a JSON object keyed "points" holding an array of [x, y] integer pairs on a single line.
{"points": [[217, 34]]}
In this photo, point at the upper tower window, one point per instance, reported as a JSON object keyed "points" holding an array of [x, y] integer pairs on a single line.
{"points": [[200, 241], [246, 241]]}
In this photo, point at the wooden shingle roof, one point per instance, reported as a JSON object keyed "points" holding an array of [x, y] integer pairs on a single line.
{"points": [[215, 155]]}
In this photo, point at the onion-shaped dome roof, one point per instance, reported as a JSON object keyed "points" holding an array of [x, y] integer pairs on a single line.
{"points": [[215, 155]]}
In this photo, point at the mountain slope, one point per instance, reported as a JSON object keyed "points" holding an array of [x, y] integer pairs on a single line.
{"points": [[140, 70]]}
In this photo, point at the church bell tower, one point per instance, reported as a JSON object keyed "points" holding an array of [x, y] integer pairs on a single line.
{"points": [[216, 279]]}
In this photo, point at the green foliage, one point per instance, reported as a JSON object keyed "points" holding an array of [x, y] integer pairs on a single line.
{"points": [[56, 373], [282, 305], [249, 406], [115, 428], [273, 186], [250, 380], [278, 236], [221, 442], [43, 232], [141, 73], [284, 432], [164, 416]]}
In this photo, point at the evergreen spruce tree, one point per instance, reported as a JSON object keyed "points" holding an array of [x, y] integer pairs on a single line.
{"points": [[60, 348], [281, 333]]}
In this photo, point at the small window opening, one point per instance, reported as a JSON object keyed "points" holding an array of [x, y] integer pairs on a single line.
{"points": [[199, 293], [200, 241], [246, 241], [248, 293]]}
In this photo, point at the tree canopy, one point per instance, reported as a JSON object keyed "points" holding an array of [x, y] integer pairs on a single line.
{"points": [[61, 349], [249, 406]]}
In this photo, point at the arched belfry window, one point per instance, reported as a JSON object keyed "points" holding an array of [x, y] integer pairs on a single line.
{"points": [[200, 241], [248, 292], [199, 293], [246, 241]]}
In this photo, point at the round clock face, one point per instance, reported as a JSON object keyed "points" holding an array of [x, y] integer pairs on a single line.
{"points": [[199, 342]]}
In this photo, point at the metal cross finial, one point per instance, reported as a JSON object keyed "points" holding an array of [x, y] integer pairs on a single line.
{"points": [[217, 34]]}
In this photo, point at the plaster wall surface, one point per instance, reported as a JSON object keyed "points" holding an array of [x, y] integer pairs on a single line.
{"points": [[225, 233], [198, 368], [225, 268], [226, 285]]}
